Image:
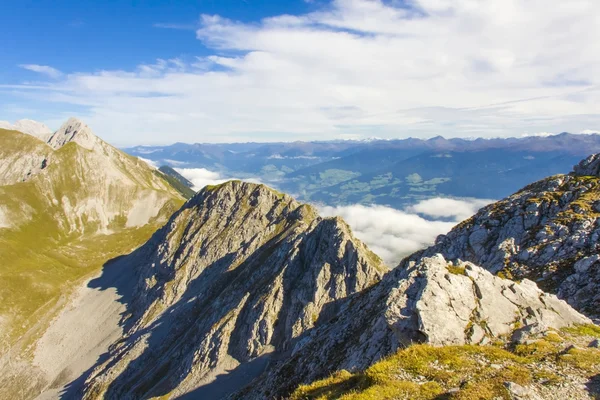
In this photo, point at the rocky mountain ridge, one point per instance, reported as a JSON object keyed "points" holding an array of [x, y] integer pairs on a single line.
{"points": [[30, 127], [547, 232], [252, 266], [74, 130], [429, 301]]}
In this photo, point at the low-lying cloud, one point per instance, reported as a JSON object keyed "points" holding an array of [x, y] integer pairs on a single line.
{"points": [[390, 233], [393, 234], [201, 177], [457, 210], [151, 163]]}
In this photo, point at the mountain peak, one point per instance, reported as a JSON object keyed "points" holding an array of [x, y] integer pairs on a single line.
{"points": [[437, 138], [74, 130], [254, 267], [30, 127], [234, 191], [589, 166]]}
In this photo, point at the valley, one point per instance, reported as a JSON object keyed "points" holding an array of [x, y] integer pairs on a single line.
{"points": [[395, 173]]}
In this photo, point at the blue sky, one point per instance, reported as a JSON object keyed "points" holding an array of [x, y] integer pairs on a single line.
{"points": [[238, 70], [84, 35]]}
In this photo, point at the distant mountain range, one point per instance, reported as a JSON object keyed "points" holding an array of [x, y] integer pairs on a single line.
{"points": [[387, 172]]}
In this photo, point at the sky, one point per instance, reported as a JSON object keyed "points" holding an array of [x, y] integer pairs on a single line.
{"points": [[159, 72]]}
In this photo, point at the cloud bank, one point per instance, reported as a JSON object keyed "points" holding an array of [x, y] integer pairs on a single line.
{"points": [[456, 210], [201, 177], [356, 68], [393, 234]]}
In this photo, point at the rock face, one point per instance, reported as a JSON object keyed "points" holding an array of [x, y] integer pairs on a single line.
{"points": [[83, 182], [548, 232], [588, 167], [76, 131], [30, 127], [430, 301], [64, 212], [241, 271], [22, 157]]}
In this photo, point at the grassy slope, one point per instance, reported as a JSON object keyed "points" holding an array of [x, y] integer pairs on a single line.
{"points": [[17, 142], [185, 191], [465, 372], [40, 259]]}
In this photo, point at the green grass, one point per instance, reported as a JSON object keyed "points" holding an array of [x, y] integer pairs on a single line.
{"points": [[40, 257], [456, 270], [584, 330], [185, 191], [478, 372]]}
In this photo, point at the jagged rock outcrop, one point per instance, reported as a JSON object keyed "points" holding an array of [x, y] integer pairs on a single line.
{"points": [[588, 167], [30, 127], [430, 301], [74, 130], [240, 272], [22, 157], [548, 232]]}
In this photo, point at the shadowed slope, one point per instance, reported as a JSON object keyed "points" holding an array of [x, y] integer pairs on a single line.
{"points": [[241, 271]]}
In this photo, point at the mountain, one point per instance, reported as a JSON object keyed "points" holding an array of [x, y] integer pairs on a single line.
{"points": [[257, 159], [66, 207], [30, 127], [547, 232], [396, 173], [178, 181], [492, 173], [432, 302], [247, 293], [236, 275], [23, 156]]}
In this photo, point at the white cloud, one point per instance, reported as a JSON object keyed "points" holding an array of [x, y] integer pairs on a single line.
{"points": [[175, 163], [361, 68], [393, 234], [151, 163], [201, 177], [539, 134], [440, 207], [43, 69]]}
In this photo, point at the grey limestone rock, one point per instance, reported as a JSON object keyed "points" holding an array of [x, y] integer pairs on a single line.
{"points": [[239, 272], [428, 301], [548, 232]]}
